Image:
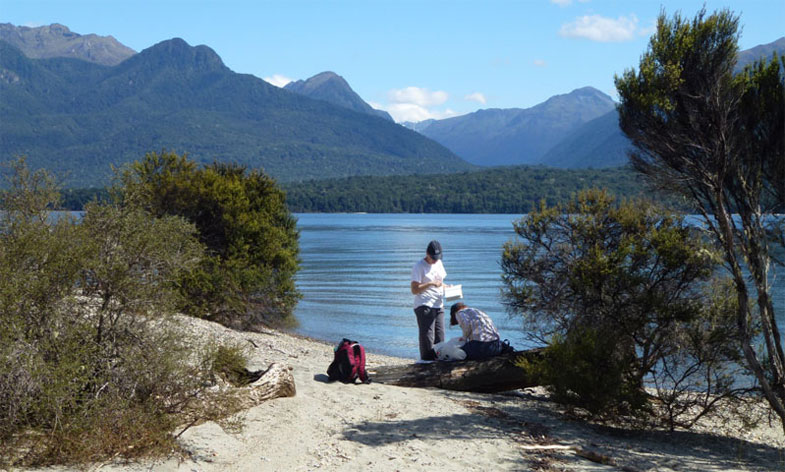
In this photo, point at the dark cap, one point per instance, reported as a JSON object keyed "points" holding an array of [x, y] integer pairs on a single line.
{"points": [[434, 250]]}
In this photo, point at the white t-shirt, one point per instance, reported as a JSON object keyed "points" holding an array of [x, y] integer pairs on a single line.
{"points": [[424, 272]]}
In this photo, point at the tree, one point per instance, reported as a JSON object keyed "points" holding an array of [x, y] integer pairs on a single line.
{"points": [[618, 292], [717, 139], [242, 219]]}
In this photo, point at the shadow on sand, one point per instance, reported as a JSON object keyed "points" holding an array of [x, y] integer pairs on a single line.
{"points": [[531, 421]]}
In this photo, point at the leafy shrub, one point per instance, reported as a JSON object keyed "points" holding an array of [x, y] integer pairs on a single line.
{"points": [[585, 369], [242, 219], [621, 293], [229, 361], [90, 367]]}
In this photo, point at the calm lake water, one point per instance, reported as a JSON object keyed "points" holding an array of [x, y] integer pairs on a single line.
{"points": [[356, 270]]}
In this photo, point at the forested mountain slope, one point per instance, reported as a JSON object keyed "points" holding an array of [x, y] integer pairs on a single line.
{"points": [[78, 118]]}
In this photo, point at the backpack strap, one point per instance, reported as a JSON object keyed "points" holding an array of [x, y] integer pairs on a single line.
{"points": [[359, 354], [348, 346]]}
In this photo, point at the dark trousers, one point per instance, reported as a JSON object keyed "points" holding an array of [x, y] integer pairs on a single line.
{"points": [[430, 321], [476, 350]]}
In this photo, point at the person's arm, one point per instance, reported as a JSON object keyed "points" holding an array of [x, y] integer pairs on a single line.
{"points": [[420, 287]]}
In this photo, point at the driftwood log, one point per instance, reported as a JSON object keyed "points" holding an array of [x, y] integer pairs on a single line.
{"points": [[276, 381], [496, 374], [257, 386]]}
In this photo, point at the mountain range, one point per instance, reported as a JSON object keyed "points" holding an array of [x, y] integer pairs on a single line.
{"points": [[576, 130], [78, 118], [515, 136], [76, 104]]}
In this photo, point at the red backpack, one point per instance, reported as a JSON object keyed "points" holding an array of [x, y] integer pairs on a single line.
{"points": [[348, 363]]}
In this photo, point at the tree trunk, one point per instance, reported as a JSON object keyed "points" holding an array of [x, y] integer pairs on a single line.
{"points": [[496, 374]]}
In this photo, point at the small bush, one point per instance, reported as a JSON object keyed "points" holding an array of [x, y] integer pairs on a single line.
{"points": [[620, 292], [229, 361], [247, 280]]}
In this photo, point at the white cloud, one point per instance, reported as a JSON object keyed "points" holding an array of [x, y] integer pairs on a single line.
{"points": [[600, 28], [540, 63], [417, 104], [417, 96], [564, 3], [277, 80], [411, 112], [476, 97]]}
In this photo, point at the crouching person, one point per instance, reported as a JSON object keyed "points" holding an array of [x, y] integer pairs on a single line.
{"points": [[479, 332]]}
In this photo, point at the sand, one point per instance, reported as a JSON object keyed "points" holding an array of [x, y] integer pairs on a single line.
{"points": [[375, 427]]}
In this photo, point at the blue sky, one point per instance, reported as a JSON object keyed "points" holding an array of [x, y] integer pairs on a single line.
{"points": [[416, 59]]}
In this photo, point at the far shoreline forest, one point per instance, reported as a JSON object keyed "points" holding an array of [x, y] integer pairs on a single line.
{"points": [[517, 189]]}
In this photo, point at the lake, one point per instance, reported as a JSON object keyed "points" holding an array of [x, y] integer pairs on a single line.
{"points": [[356, 269]]}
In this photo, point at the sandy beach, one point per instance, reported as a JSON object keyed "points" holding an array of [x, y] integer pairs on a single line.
{"points": [[375, 427]]}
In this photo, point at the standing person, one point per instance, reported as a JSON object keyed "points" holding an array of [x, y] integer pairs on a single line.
{"points": [[427, 280], [479, 332]]}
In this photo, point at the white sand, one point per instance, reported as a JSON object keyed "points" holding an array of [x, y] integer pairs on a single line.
{"points": [[332, 426]]}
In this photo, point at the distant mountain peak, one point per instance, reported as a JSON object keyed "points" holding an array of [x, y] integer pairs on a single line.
{"points": [[331, 87], [58, 40], [325, 76], [587, 92], [176, 52], [319, 81], [586, 89]]}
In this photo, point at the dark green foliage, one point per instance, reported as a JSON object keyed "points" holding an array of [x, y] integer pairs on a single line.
{"points": [[613, 288], [499, 190], [718, 139], [762, 135], [76, 118], [584, 369], [229, 361], [75, 199], [90, 364], [502, 190], [242, 219]]}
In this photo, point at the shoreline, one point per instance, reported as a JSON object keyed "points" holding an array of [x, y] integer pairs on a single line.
{"points": [[376, 427]]}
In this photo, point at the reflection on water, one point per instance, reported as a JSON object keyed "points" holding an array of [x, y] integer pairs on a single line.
{"points": [[356, 270]]}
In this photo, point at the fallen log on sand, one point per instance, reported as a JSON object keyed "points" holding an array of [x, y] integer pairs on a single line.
{"points": [[276, 381], [496, 374], [258, 386]]}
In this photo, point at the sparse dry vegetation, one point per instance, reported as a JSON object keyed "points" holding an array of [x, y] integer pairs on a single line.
{"points": [[89, 366]]}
